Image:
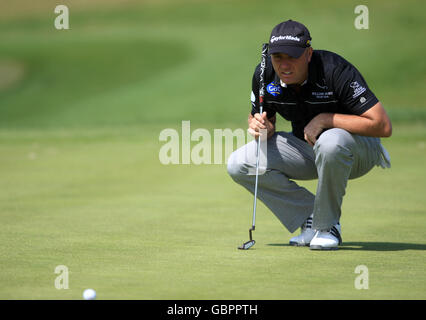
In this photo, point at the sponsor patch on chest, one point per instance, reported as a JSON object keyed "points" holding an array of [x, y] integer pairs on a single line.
{"points": [[322, 94], [274, 89]]}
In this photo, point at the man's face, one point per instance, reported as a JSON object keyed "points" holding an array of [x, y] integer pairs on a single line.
{"points": [[292, 70]]}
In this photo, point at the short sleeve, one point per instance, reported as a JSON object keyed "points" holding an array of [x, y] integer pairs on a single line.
{"points": [[352, 90]]}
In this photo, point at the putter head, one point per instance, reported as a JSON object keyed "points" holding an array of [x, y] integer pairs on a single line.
{"points": [[247, 245]]}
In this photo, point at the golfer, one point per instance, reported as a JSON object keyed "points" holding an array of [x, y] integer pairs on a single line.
{"points": [[337, 122]]}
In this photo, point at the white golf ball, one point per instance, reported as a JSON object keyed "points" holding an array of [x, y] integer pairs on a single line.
{"points": [[89, 294]]}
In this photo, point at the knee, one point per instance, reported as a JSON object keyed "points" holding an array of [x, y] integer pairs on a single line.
{"points": [[235, 168], [333, 143]]}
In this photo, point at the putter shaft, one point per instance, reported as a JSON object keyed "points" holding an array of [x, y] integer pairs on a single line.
{"points": [[251, 242]]}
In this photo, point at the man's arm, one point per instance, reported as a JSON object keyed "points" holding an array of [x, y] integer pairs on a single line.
{"points": [[374, 123]]}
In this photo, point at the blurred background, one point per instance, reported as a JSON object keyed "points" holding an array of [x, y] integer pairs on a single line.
{"points": [[80, 115], [130, 62]]}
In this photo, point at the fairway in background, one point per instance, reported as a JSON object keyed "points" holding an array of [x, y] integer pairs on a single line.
{"points": [[188, 60], [82, 186]]}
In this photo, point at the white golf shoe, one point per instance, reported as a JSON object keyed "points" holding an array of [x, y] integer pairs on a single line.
{"points": [[305, 237], [327, 239]]}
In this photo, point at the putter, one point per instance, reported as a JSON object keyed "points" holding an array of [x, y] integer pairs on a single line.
{"points": [[247, 245]]}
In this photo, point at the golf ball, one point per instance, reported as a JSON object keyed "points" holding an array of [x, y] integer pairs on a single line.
{"points": [[89, 294]]}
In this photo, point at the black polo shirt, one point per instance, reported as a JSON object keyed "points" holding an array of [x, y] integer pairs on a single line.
{"points": [[333, 85]]}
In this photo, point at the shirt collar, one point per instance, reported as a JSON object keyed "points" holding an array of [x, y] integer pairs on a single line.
{"points": [[284, 85]]}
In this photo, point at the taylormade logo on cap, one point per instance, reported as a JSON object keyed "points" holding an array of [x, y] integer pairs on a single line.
{"points": [[289, 37], [278, 38]]}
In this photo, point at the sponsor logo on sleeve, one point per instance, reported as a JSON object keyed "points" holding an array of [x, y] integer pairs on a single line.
{"points": [[253, 99], [357, 88]]}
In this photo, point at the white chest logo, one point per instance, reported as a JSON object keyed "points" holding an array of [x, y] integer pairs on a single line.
{"points": [[322, 94]]}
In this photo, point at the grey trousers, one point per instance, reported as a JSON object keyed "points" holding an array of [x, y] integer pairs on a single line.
{"points": [[336, 157]]}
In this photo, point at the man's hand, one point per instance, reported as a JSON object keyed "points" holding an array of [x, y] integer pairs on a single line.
{"points": [[314, 128], [258, 122]]}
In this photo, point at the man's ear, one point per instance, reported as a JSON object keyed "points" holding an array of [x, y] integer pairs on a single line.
{"points": [[310, 50]]}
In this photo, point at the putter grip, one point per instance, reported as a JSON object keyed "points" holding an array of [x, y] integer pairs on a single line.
{"points": [[262, 77]]}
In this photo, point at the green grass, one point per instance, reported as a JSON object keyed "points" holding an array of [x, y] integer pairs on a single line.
{"points": [[82, 186], [100, 203]]}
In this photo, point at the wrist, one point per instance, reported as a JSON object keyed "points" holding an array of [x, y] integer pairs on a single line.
{"points": [[326, 120]]}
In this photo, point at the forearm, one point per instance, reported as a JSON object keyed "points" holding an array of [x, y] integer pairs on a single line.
{"points": [[363, 126]]}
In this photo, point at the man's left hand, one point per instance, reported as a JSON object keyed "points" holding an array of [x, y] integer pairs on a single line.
{"points": [[314, 128]]}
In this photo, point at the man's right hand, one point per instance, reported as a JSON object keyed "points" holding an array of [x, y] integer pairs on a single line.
{"points": [[258, 122]]}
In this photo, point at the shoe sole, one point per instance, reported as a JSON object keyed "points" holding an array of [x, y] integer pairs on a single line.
{"points": [[296, 244], [323, 248]]}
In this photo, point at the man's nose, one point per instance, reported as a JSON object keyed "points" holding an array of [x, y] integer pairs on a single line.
{"points": [[285, 64]]}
